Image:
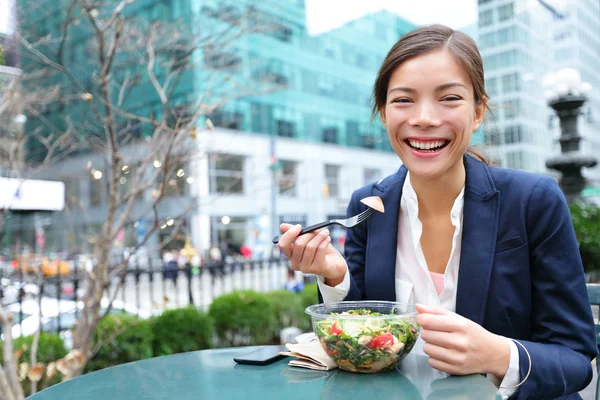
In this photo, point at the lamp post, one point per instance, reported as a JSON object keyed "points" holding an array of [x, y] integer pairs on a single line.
{"points": [[566, 94]]}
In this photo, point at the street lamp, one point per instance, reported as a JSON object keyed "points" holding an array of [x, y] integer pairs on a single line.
{"points": [[566, 94]]}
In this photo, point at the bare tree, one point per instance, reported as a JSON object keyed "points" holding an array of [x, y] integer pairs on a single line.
{"points": [[141, 143]]}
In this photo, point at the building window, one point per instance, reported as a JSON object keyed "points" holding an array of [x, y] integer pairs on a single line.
{"points": [[371, 175], [330, 135], [505, 12], [515, 160], [226, 173], [367, 141], [176, 182], [513, 134], [285, 128], [288, 178], [227, 119], [511, 109], [332, 178], [96, 191], [486, 18], [228, 233], [491, 86], [511, 83]]}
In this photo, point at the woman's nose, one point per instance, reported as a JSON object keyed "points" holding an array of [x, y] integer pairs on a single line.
{"points": [[424, 116]]}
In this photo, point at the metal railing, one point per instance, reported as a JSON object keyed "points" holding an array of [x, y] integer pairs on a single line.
{"points": [[143, 292]]}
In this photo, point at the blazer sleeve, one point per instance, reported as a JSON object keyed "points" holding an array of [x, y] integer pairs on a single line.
{"points": [[355, 248], [563, 340]]}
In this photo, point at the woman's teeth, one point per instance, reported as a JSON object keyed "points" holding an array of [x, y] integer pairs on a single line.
{"points": [[428, 146]]}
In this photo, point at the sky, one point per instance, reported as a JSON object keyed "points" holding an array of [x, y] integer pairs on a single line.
{"points": [[324, 15]]}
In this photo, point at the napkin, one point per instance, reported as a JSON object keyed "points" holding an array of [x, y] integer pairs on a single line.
{"points": [[309, 355]]}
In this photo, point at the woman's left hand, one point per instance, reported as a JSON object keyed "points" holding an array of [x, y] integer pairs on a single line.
{"points": [[459, 346]]}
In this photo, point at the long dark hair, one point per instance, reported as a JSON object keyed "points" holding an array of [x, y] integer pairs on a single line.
{"points": [[423, 40]]}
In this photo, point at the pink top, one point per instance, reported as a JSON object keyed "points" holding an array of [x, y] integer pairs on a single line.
{"points": [[438, 281]]}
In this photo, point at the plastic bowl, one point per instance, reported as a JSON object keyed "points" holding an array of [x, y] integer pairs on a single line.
{"points": [[365, 336]]}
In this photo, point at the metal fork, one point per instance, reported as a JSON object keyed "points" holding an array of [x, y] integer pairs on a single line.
{"points": [[346, 223]]}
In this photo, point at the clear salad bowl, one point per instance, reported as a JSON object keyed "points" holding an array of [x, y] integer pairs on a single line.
{"points": [[365, 336]]}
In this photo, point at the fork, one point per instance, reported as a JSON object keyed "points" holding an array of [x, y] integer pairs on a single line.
{"points": [[346, 223]]}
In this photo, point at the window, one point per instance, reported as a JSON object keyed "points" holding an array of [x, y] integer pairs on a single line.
{"points": [[491, 86], [220, 59], [96, 191], [288, 177], [285, 128], [176, 182], [367, 141], [371, 175], [513, 134], [226, 173], [511, 109], [332, 177], [71, 191], [330, 135], [511, 83], [486, 18], [505, 12], [515, 160]]}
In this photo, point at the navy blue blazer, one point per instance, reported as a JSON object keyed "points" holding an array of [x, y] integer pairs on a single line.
{"points": [[520, 274]]}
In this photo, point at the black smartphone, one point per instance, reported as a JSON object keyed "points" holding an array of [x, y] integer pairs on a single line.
{"points": [[263, 356]]}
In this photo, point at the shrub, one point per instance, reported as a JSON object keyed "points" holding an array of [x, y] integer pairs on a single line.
{"points": [[309, 297], [243, 318], [120, 338], [586, 222], [288, 309], [181, 330], [50, 349]]}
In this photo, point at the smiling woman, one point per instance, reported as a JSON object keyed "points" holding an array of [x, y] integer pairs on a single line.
{"points": [[488, 255]]}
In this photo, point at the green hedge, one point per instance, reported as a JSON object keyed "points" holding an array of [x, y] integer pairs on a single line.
{"points": [[288, 310], [124, 338], [243, 318], [50, 349], [586, 222], [180, 330]]}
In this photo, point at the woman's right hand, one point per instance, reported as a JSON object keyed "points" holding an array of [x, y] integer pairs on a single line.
{"points": [[312, 253]]}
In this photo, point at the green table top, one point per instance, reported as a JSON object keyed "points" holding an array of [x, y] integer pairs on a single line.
{"points": [[212, 374]]}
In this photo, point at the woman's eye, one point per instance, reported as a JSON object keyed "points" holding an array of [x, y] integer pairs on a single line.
{"points": [[402, 100], [452, 98]]}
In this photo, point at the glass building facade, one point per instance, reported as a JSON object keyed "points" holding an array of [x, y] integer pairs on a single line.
{"points": [[278, 79], [521, 41], [516, 47]]}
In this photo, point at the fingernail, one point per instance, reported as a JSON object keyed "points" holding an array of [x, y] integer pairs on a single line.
{"points": [[325, 232], [297, 226]]}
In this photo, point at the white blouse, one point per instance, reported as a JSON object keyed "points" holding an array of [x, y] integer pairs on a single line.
{"points": [[413, 280]]}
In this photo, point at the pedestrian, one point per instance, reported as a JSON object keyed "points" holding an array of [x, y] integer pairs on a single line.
{"points": [[292, 285], [488, 255]]}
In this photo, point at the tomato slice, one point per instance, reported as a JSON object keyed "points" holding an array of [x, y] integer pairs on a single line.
{"points": [[381, 341], [335, 329]]}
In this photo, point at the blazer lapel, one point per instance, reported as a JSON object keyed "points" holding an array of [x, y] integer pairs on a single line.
{"points": [[480, 229], [380, 282]]}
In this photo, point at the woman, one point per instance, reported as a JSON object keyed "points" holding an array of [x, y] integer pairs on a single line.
{"points": [[488, 254]]}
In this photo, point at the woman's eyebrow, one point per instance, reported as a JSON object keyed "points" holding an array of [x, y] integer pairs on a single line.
{"points": [[437, 89]]}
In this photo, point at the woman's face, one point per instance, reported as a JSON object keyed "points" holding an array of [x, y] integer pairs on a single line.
{"points": [[430, 113]]}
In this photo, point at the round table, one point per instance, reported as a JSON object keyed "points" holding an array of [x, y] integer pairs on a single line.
{"points": [[212, 374]]}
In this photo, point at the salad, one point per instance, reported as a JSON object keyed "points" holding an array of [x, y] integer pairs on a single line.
{"points": [[358, 343]]}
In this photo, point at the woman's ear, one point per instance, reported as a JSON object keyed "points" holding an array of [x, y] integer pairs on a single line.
{"points": [[382, 114], [479, 114]]}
